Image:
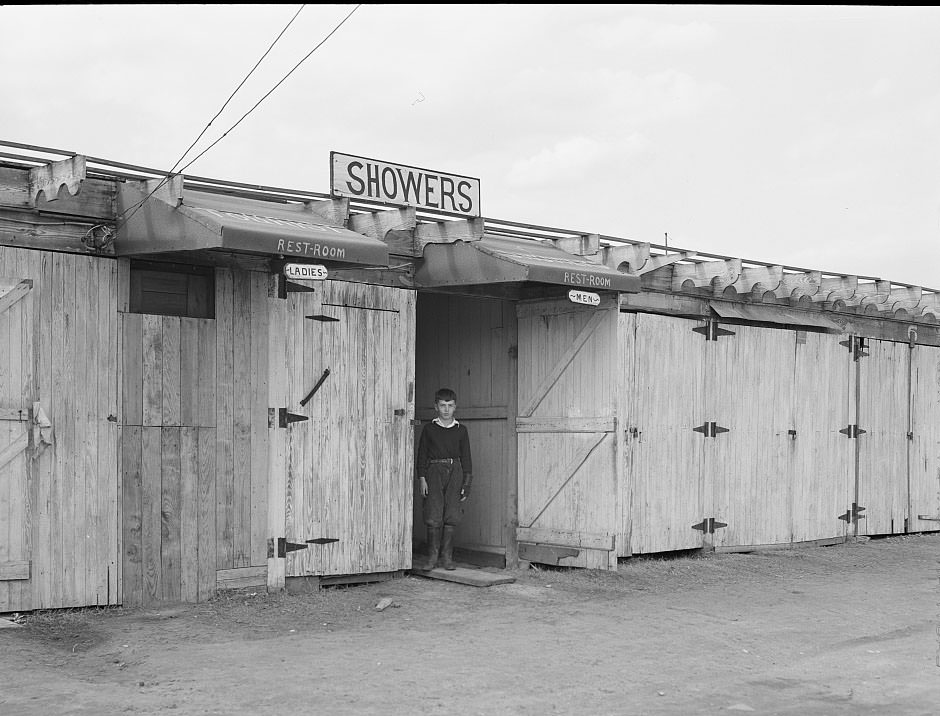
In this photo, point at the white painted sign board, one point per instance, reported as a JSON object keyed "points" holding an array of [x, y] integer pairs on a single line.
{"points": [[314, 272], [585, 297], [375, 180]]}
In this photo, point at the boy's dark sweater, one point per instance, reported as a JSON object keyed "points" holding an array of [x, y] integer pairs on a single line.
{"points": [[439, 443]]}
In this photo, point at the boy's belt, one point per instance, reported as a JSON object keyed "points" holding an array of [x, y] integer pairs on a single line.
{"points": [[444, 461]]}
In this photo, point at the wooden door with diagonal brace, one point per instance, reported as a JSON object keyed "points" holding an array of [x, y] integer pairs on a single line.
{"points": [[567, 433], [16, 369]]}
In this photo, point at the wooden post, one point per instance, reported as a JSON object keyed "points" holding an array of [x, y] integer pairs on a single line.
{"points": [[277, 460]]}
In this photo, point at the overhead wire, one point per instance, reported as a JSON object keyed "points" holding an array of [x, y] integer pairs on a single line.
{"points": [[173, 172], [225, 104]]}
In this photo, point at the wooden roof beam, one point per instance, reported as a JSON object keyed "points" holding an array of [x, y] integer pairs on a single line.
{"points": [[393, 226], [334, 211], [758, 280], [584, 245], [796, 286], [50, 178], [713, 275], [657, 262], [629, 258], [448, 232]]}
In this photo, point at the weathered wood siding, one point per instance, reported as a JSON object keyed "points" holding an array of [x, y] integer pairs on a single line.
{"points": [[924, 462], [665, 397], [821, 460], [349, 465], [883, 412], [69, 366], [468, 344], [195, 441], [749, 387], [781, 473], [569, 395]]}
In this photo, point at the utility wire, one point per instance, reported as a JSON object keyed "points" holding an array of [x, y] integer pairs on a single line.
{"points": [[173, 171], [271, 91]]}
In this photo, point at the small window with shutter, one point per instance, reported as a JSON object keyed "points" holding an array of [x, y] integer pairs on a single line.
{"points": [[172, 290]]}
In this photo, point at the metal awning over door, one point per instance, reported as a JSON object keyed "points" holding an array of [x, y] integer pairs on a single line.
{"points": [[780, 315], [203, 221], [494, 260]]}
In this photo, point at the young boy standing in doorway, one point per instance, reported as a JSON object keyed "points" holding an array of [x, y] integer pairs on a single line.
{"points": [[445, 472]]}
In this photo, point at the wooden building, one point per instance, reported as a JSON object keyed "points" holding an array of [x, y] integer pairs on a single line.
{"points": [[177, 417]]}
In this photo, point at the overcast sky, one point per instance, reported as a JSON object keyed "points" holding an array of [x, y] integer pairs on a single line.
{"points": [[807, 136]]}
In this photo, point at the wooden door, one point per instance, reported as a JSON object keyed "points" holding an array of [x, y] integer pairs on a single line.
{"points": [[348, 488], [749, 383], [924, 460], [568, 394], [884, 414], [16, 372], [821, 456], [665, 400]]}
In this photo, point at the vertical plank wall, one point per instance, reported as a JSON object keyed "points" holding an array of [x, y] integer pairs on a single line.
{"points": [[665, 398], [73, 493], [194, 438], [749, 387], [924, 460], [567, 426], [884, 413], [788, 392], [468, 344], [349, 463]]}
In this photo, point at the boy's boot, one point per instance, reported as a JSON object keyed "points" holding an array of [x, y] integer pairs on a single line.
{"points": [[448, 547], [434, 547]]}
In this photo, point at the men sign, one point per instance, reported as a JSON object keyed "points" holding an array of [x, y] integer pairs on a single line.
{"points": [[374, 180], [585, 297], [312, 272]]}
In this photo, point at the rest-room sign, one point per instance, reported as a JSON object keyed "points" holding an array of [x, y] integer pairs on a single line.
{"points": [[373, 180]]}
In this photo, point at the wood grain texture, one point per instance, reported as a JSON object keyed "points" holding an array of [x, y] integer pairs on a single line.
{"points": [[884, 413], [665, 396], [924, 460]]}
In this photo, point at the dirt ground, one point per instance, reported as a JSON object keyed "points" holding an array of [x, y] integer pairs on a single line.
{"points": [[850, 629]]}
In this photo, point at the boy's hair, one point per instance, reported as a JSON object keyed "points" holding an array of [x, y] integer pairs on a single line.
{"points": [[445, 394]]}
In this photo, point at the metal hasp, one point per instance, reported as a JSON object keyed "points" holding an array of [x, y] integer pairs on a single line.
{"points": [[711, 429], [284, 418], [712, 331], [856, 346], [709, 525], [853, 515], [323, 377], [852, 431]]}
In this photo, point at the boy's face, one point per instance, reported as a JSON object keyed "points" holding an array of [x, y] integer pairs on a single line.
{"points": [[445, 409]]}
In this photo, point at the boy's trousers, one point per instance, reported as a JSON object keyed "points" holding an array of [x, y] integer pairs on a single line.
{"points": [[442, 505]]}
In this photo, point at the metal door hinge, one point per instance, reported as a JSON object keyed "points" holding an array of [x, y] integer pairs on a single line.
{"points": [[322, 317], [856, 345], [709, 525], [711, 429], [852, 431], [281, 418], [285, 287], [854, 514], [712, 331], [792, 434], [279, 547]]}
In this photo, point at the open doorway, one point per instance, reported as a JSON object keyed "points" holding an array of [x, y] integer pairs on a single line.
{"points": [[468, 344]]}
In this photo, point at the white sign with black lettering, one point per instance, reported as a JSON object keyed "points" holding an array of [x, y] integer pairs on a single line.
{"points": [[585, 297], [310, 272]]}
